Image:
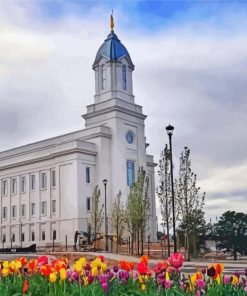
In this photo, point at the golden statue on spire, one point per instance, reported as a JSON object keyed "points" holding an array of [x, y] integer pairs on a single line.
{"points": [[112, 22]]}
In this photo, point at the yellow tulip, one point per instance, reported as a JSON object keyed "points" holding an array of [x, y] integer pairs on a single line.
{"points": [[5, 264], [78, 266], [83, 261], [140, 279], [53, 277], [17, 265], [103, 267], [218, 279], [85, 279], [234, 280], [5, 272], [12, 265], [167, 276], [94, 270], [143, 287], [63, 274]]}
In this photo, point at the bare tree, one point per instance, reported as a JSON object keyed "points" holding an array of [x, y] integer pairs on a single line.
{"points": [[118, 218], [164, 192], [97, 213], [190, 201], [138, 207]]}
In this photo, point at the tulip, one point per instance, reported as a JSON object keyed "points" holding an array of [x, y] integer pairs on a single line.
{"points": [[5, 272], [53, 277], [235, 280], [42, 260], [25, 287], [200, 284], [63, 274], [227, 279], [176, 260]]}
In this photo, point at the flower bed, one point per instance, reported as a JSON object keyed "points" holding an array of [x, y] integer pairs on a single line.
{"points": [[38, 277]]}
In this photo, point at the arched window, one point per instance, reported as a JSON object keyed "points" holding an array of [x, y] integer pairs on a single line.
{"points": [[124, 78], [103, 77]]}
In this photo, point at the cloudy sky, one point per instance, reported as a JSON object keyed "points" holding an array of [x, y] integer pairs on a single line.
{"points": [[191, 61]]}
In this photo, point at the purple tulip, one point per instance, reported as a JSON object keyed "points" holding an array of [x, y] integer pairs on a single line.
{"points": [[227, 279], [104, 286]]}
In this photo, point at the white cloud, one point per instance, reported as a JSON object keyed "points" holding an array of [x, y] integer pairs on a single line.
{"points": [[193, 77]]}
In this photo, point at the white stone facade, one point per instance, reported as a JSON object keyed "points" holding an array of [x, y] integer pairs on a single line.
{"points": [[46, 187]]}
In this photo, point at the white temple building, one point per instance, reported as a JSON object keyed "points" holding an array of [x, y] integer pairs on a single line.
{"points": [[46, 187]]}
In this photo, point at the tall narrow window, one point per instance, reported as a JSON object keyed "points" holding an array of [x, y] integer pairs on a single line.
{"points": [[23, 237], [43, 235], [13, 237], [4, 188], [33, 209], [4, 238], [23, 211], [43, 180], [13, 186], [87, 175], [33, 236], [54, 234], [124, 77], [32, 185], [88, 204], [53, 178], [53, 206], [130, 172], [23, 184], [13, 212], [43, 208], [103, 77], [4, 213]]}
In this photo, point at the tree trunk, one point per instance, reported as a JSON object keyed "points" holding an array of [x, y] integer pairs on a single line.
{"points": [[235, 256], [138, 243], [142, 242], [132, 242], [117, 241], [194, 247]]}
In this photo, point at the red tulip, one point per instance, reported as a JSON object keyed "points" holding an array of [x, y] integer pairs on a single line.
{"points": [[142, 268], [176, 260], [42, 260]]}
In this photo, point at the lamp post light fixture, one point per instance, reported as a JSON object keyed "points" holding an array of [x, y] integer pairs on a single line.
{"points": [[170, 130], [106, 219]]}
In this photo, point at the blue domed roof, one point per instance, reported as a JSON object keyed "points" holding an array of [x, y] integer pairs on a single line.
{"points": [[113, 49]]}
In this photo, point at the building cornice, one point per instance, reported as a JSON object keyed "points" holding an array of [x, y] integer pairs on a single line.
{"points": [[114, 109], [48, 157]]}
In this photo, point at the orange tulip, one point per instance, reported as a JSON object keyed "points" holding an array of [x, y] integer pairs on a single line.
{"points": [[25, 286], [144, 259]]}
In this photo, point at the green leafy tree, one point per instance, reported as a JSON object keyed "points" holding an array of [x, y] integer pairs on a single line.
{"points": [[138, 206], [97, 214], [164, 192], [118, 218], [230, 233], [190, 202]]}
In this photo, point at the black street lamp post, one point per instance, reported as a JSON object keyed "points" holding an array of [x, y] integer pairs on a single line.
{"points": [[21, 232], [170, 130], [106, 219]]}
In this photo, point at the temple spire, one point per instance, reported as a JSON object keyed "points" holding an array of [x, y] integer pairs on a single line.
{"points": [[112, 22]]}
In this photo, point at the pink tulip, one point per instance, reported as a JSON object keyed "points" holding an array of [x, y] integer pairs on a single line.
{"points": [[176, 260], [200, 283], [227, 279]]}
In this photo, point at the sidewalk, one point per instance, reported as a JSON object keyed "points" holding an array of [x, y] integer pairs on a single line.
{"points": [[119, 257]]}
